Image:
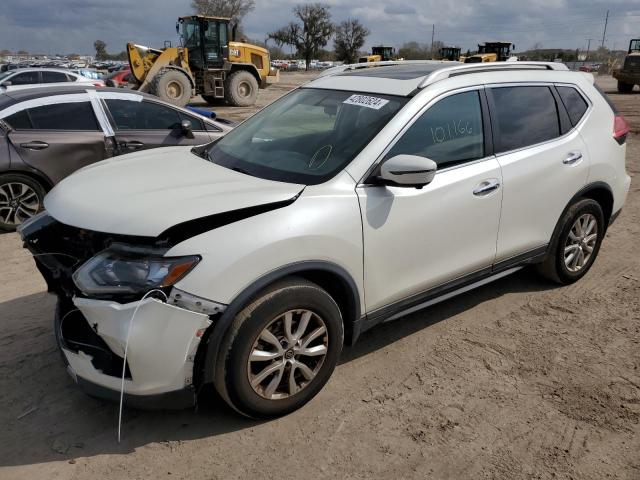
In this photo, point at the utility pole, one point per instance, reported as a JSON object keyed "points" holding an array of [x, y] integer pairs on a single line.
{"points": [[433, 32], [588, 48], [606, 20]]}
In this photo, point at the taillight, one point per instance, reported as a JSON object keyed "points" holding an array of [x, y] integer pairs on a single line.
{"points": [[620, 129], [98, 84]]}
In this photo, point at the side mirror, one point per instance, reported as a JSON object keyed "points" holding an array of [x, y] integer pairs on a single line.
{"points": [[408, 171], [7, 83], [187, 129]]}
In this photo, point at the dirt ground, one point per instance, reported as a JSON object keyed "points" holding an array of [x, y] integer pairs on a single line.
{"points": [[518, 379]]}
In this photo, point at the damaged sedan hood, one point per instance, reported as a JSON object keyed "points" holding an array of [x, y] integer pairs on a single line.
{"points": [[146, 193]]}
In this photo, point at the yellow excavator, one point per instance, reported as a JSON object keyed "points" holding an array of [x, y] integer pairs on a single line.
{"points": [[209, 62]]}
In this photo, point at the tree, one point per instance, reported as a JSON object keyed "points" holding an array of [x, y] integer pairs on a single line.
{"points": [[234, 9], [350, 37], [312, 34], [101, 50]]}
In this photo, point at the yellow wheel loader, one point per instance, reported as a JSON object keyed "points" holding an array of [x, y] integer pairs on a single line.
{"points": [[208, 63], [491, 52], [450, 53], [379, 54]]}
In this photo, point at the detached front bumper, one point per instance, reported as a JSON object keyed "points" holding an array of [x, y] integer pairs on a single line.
{"points": [[161, 354]]}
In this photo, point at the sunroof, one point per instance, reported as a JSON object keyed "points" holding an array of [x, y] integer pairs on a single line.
{"points": [[399, 72]]}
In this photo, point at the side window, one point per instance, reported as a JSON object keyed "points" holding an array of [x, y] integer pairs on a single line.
{"points": [[575, 104], [19, 121], [450, 132], [64, 116], [25, 78], [525, 116], [54, 77], [129, 115]]}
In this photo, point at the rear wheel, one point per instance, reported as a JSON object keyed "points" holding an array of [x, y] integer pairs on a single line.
{"points": [[575, 248], [21, 198], [281, 349], [172, 86], [241, 89], [625, 87]]}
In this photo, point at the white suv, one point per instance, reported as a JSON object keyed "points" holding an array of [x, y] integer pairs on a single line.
{"points": [[362, 196]]}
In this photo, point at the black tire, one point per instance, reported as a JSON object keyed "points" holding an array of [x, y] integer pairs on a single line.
{"points": [[9, 216], [270, 305], [554, 266], [241, 89], [172, 86], [211, 100], [625, 87]]}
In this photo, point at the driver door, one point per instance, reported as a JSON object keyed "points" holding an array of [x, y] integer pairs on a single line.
{"points": [[418, 239]]}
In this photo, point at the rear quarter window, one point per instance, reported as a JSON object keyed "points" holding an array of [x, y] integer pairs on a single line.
{"points": [[574, 103], [524, 116], [64, 116]]}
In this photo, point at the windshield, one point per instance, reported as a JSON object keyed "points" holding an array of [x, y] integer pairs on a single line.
{"points": [[5, 74], [307, 136]]}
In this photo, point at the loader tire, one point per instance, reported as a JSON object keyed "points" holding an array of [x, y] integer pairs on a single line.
{"points": [[241, 89], [211, 100], [172, 86], [625, 87]]}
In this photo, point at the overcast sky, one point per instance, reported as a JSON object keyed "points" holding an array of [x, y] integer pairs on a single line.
{"points": [[66, 26]]}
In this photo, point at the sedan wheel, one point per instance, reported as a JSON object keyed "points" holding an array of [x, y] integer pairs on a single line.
{"points": [[18, 202]]}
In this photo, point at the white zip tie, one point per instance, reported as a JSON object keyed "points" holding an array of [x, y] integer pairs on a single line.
{"points": [[126, 348]]}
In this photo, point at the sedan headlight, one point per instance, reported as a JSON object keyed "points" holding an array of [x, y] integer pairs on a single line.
{"points": [[131, 270]]}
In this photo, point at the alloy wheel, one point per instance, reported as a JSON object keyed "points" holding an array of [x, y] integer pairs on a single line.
{"points": [[288, 354], [18, 202], [580, 242]]}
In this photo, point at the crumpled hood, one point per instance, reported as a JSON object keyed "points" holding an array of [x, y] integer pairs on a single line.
{"points": [[145, 193]]}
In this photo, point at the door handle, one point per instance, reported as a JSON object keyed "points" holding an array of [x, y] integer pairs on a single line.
{"points": [[486, 187], [572, 158], [132, 145], [36, 145]]}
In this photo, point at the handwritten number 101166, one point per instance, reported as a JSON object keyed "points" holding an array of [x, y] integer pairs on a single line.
{"points": [[451, 131]]}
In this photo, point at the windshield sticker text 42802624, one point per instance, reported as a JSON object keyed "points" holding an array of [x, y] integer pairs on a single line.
{"points": [[366, 101]]}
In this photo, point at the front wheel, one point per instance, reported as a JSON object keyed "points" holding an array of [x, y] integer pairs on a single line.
{"points": [[281, 349], [573, 251], [21, 197], [172, 86]]}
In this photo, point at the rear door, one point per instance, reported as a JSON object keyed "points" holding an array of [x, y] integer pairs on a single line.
{"points": [[142, 124], [544, 163], [56, 138]]}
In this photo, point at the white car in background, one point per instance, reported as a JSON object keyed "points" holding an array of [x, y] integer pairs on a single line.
{"points": [[360, 197], [43, 77]]}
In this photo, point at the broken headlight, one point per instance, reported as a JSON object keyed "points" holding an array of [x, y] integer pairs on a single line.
{"points": [[131, 270]]}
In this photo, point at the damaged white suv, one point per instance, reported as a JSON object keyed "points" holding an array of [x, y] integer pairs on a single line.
{"points": [[360, 197]]}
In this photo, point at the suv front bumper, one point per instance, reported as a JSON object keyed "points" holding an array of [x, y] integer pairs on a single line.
{"points": [[163, 342]]}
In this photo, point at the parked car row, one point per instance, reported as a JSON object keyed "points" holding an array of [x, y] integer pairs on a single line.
{"points": [[48, 133], [22, 78]]}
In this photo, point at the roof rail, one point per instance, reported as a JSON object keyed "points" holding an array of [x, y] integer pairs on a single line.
{"points": [[463, 69], [384, 63]]}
